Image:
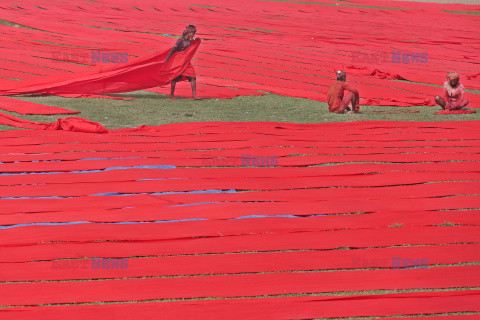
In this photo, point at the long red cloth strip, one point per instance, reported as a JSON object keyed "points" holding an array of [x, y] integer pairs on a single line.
{"points": [[27, 107], [239, 285], [239, 263], [429, 197], [414, 303], [69, 124], [147, 72]]}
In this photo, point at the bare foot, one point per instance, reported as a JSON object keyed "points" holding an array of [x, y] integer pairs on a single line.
{"points": [[173, 97], [349, 112], [196, 98]]}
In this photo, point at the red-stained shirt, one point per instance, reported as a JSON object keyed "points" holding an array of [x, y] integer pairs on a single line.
{"points": [[452, 96], [182, 44], [335, 94]]}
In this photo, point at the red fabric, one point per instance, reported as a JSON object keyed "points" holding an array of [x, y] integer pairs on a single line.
{"points": [[240, 285], [237, 263], [383, 189], [393, 112], [189, 72], [149, 71], [68, 124], [309, 307], [27, 107], [400, 102], [95, 96], [275, 62], [447, 112]]}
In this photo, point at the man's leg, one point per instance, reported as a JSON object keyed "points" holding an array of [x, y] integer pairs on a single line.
{"points": [[347, 99], [172, 89], [356, 103], [193, 82], [462, 104], [439, 100]]}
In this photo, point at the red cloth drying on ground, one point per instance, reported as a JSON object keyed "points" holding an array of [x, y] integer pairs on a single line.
{"points": [[143, 73], [27, 107], [444, 112], [243, 61], [68, 124]]}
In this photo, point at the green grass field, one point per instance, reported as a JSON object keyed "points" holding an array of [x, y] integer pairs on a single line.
{"points": [[155, 109]]}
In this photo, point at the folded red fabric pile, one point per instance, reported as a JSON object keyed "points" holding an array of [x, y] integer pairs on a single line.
{"points": [[68, 124]]}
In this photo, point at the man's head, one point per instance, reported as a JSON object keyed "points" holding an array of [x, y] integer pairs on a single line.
{"points": [[341, 76], [453, 78], [189, 32]]}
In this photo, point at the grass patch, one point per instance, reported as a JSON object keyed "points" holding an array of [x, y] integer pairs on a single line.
{"points": [[463, 12], [335, 4], [13, 24], [155, 109], [395, 225], [202, 5], [447, 224]]}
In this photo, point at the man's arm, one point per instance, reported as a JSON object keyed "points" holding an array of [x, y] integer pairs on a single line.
{"points": [[462, 90], [356, 107], [173, 50]]}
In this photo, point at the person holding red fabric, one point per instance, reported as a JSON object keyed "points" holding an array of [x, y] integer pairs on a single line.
{"points": [[338, 101], [452, 94], [189, 74]]}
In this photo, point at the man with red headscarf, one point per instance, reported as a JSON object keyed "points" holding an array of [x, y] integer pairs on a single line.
{"points": [[337, 100], [452, 94], [189, 74]]}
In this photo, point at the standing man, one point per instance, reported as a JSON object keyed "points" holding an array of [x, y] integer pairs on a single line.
{"points": [[337, 100], [189, 74]]}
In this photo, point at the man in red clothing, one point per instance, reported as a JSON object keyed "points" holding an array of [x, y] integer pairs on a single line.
{"points": [[338, 101], [189, 74], [452, 94]]}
